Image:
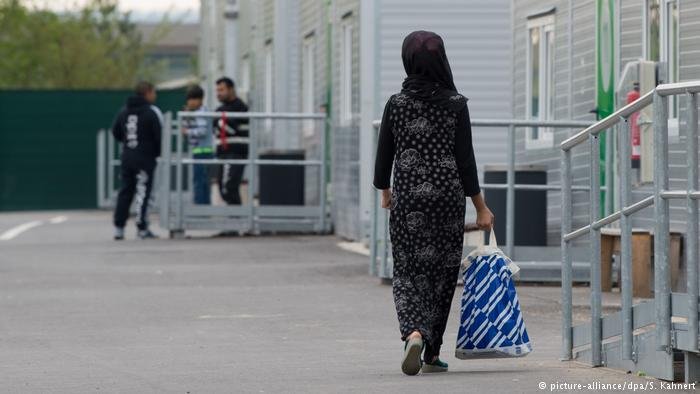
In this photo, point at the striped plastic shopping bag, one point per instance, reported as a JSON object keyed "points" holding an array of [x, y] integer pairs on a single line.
{"points": [[491, 324]]}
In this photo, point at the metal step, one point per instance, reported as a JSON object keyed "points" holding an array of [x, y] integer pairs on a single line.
{"points": [[680, 362], [550, 271]]}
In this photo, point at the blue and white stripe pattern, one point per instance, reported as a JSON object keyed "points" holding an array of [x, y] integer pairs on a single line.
{"points": [[492, 325]]}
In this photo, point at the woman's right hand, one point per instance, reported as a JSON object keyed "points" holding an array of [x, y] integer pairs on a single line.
{"points": [[386, 198], [484, 218]]}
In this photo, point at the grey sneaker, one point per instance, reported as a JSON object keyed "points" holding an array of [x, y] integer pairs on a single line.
{"points": [[146, 234], [411, 363], [118, 233]]}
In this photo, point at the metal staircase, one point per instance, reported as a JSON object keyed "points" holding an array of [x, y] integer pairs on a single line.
{"points": [[657, 337]]}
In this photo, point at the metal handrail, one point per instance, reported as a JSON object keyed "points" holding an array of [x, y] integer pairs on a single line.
{"points": [[254, 115], [662, 293], [520, 123], [669, 89], [510, 186], [608, 122], [250, 212]]}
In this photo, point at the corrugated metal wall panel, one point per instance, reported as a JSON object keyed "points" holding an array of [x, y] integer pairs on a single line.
{"points": [[312, 24], [631, 49], [689, 42], [346, 139], [478, 44], [262, 32], [630, 31], [584, 96], [583, 99]]}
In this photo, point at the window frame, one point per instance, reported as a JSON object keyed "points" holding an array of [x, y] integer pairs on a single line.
{"points": [[546, 52]]}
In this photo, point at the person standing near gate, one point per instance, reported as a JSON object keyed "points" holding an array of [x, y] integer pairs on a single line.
{"points": [[231, 140], [138, 127], [198, 129]]}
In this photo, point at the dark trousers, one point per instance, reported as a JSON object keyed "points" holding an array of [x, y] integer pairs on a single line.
{"points": [[200, 180], [137, 181], [230, 176]]}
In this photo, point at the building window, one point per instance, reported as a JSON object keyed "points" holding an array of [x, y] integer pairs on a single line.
{"points": [[307, 82], [268, 84], [345, 99], [540, 79]]}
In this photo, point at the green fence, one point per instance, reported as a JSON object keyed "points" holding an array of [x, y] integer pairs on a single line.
{"points": [[48, 148]]}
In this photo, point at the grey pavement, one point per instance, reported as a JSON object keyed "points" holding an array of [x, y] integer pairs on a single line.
{"points": [[272, 314]]}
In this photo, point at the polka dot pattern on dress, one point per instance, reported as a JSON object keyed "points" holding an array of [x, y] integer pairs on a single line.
{"points": [[426, 219]]}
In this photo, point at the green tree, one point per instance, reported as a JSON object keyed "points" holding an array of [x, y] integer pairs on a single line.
{"points": [[96, 47]]}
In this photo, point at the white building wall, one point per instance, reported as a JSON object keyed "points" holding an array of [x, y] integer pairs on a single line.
{"points": [[582, 71], [345, 154], [573, 101], [478, 39], [477, 36]]}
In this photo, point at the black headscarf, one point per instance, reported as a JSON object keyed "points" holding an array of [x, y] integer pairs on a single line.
{"points": [[428, 72]]}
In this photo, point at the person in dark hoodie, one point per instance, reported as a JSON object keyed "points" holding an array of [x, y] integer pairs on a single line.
{"points": [[231, 137], [138, 127]]}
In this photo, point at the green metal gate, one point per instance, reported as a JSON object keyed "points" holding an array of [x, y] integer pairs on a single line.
{"points": [[47, 144]]}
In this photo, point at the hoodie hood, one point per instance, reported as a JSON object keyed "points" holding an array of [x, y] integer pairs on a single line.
{"points": [[136, 101]]}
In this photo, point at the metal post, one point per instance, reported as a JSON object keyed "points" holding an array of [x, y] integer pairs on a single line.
{"points": [[594, 213], [566, 283], [691, 244], [608, 204], [625, 156], [110, 169], [322, 181], [662, 295], [510, 194], [373, 234], [166, 154], [374, 221], [101, 135], [187, 152], [386, 241], [252, 157], [178, 182]]}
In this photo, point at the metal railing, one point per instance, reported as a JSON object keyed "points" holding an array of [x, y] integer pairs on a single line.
{"points": [[109, 164], [665, 303], [173, 184], [379, 237], [178, 215]]}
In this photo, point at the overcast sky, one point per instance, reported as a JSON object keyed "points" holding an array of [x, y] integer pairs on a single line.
{"points": [[142, 10]]}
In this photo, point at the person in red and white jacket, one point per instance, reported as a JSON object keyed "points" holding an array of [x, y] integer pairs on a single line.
{"points": [[231, 138]]}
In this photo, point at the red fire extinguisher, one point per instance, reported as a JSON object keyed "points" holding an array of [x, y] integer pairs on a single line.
{"points": [[632, 96]]}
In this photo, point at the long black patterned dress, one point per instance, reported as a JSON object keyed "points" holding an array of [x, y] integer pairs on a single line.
{"points": [[434, 170]]}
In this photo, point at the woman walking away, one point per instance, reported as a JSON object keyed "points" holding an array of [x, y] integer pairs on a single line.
{"points": [[426, 135]]}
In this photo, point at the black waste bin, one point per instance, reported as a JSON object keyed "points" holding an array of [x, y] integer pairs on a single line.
{"points": [[530, 205], [281, 184]]}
